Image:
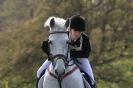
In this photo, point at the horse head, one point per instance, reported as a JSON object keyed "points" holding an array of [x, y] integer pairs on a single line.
{"points": [[58, 43]]}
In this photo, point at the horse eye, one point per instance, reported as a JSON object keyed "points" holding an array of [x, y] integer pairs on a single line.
{"points": [[68, 42], [50, 42]]}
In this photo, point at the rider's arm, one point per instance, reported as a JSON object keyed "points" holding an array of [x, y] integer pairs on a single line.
{"points": [[85, 51], [86, 47]]}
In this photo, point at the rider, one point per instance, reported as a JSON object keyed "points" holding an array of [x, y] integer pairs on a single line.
{"points": [[80, 48]]}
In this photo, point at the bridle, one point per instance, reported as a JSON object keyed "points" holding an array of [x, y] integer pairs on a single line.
{"points": [[63, 57]]}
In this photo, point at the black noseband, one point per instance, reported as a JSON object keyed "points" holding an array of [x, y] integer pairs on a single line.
{"points": [[51, 57], [54, 32]]}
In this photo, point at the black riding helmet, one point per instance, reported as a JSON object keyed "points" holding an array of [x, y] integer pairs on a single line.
{"points": [[76, 22]]}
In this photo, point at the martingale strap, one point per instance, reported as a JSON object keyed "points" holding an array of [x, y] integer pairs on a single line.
{"points": [[65, 75]]}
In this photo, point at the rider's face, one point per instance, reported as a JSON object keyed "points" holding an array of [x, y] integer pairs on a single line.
{"points": [[74, 35]]}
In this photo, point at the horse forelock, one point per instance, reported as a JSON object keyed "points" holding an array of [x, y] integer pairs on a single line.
{"points": [[59, 22]]}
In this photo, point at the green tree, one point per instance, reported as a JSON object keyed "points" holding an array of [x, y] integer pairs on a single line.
{"points": [[109, 26]]}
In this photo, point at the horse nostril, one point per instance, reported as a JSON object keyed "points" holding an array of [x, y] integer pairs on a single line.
{"points": [[56, 72]]}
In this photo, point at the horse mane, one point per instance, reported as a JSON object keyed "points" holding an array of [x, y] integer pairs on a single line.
{"points": [[59, 22]]}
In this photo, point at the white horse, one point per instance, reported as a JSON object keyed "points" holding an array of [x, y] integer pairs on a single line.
{"points": [[62, 72]]}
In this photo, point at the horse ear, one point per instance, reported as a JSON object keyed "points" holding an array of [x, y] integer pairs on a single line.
{"points": [[52, 22], [67, 23]]}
